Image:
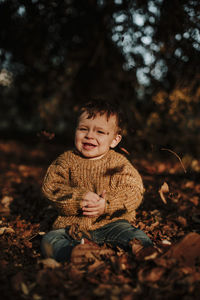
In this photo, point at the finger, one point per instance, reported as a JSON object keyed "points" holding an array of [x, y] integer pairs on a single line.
{"points": [[84, 203], [93, 199], [94, 213], [90, 208], [103, 194]]}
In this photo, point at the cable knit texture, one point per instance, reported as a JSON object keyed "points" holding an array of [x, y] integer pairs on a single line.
{"points": [[71, 176]]}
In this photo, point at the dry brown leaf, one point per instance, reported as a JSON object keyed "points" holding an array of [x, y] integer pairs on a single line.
{"points": [[182, 221], [6, 230], [6, 201], [190, 184], [196, 218], [164, 189], [187, 251], [24, 288], [41, 233], [197, 188], [154, 225], [2, 230], [37, 297], [187, 270], [161, 168], [166, 242], [96, 266], [49, 263], [194, 200], [155, 274], [151, 275], [75, 273], [151, 256]]}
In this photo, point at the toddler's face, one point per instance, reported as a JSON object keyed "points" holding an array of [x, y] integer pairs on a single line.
{"points": [[94, 137]]}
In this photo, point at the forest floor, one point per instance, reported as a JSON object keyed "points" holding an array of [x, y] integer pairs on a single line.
{"points": [[169, 214]]}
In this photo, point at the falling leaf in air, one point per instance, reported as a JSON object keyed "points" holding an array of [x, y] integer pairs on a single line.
{"points": [[124, 150], [164, 189]]}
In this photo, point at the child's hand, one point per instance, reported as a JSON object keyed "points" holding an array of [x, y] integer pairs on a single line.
{"points": [[90, 199], [94, 207]]}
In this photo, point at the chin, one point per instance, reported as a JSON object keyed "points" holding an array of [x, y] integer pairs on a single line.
{"points": [[91, 156], [87, 154]]}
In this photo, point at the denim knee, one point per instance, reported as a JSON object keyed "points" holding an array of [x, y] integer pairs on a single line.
{"points": [[48, 241], [58, 244], [142, 237], [120, 233]]}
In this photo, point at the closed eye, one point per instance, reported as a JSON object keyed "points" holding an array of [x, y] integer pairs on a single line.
{"points": [[82, 129], [101, 132]]}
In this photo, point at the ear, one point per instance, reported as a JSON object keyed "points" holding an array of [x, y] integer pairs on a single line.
{"points": [[116, 141]]}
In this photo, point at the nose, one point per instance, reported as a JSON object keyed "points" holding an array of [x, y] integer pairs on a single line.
{"points": [[90, 134]]}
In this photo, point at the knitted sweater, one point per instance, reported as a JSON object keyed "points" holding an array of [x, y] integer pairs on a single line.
{"points": [[71, 176]]}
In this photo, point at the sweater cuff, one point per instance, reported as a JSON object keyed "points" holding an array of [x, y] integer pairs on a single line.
{"points": [[115, 203], [79, 197]]}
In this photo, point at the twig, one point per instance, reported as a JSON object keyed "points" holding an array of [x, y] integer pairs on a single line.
{"points": [[176, 156]]}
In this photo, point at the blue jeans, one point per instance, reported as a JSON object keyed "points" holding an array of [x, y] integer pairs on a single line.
{"points": [[58, 244]]}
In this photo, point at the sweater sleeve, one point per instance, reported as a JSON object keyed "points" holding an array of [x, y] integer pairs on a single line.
{"points": [[56, 187], [126, 190]]}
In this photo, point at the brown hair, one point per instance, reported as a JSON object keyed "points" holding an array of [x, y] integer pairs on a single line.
{"points": [[101, 107]]}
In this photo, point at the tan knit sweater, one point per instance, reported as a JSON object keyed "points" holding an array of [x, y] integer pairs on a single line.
{"points": [[71, 176]]}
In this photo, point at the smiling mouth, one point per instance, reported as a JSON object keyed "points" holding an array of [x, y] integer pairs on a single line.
{"points": [[88, 146]]}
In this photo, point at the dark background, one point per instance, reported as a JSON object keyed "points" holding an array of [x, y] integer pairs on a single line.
{"points": [[145, 54]]}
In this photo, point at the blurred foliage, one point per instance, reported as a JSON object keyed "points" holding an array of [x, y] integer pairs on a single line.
{"points": [[56, 54]]}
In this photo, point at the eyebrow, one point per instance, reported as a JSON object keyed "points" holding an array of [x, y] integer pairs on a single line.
{"points": [[103, 129], [100, 128]]}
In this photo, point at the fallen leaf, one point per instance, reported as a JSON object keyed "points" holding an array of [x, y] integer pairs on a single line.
{"points": [[100, 292], [187, 251], [41, 233], [154, 225], [182, 221], [166, 242], [195, 165], [163, 262], [151, 256], [96, 266], [190, 184], [161, 168], [6, 201], [152, 275], [194, 200], [75, 273], [197, 188], [196, 218], [187, 270], [37, 297], [49, 263], [4, 230], [24, 288]]}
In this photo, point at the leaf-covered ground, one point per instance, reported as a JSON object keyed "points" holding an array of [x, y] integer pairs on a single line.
{"points": [[170, 211]]}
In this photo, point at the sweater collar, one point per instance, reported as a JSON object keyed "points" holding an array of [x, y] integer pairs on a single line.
{"points": [[91, 161]]}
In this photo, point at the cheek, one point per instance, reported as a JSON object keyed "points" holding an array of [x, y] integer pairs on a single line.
{"points": [[105, 141], [78, 136], [77, 139]]}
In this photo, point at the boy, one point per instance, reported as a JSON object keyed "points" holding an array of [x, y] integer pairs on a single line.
{"points": [[94, 189]]}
